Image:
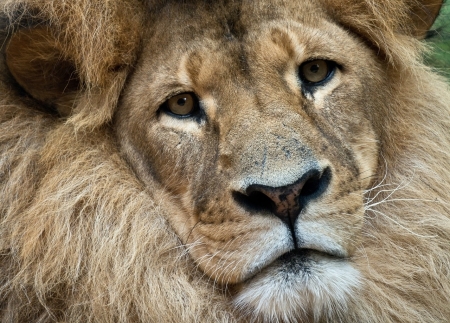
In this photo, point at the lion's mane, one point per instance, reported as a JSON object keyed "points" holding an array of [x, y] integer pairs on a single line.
{"points": [[82, 240]]}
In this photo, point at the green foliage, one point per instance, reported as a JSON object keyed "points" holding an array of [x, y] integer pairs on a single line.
{"points": [[440, 41]]}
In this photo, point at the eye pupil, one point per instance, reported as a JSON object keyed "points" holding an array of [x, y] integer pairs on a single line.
{"points": [[314, 68], [181, 101]]}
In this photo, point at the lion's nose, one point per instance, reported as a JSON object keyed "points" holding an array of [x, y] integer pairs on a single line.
{"points": [[286, 202]]}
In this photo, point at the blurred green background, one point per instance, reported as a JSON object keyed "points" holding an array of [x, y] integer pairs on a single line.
{"points": [[440, 41]]}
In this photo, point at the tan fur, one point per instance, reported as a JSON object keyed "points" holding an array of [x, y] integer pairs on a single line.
{"points": [[112, 210]]}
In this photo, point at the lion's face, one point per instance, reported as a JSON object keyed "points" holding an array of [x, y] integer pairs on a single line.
{"points": [[260, 131]]}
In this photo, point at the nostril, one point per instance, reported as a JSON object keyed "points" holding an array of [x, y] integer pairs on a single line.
{"points": [[255, 202], [316, 184], [311, 186]]}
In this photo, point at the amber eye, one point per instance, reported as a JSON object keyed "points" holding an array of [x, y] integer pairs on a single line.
{"points": [[183, 104], [316, 71]]}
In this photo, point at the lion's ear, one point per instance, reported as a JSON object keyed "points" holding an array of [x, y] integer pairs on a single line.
{"points": [[423, 14], [411, 17], [387, 25], [35, 59]]}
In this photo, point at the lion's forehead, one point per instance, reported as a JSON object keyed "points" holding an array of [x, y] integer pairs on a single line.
{"points": [[185, 27], [241, 68], [235, 17]]}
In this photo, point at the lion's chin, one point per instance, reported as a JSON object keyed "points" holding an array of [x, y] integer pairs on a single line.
{"points": [[298, 285]]}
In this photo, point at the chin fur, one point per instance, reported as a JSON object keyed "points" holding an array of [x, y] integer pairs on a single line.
{"points": [[289, 292]]}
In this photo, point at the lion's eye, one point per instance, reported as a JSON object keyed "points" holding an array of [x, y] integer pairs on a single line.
{"points": [[184, 104], [317, 71]]}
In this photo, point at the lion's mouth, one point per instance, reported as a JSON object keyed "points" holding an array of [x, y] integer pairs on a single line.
{"points": [[299, 261], [301, 257], [293, 267], [305, 252], [295, 255]]}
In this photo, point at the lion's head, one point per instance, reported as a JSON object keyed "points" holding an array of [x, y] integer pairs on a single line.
{"points": [[292, 147], [261, 130]]}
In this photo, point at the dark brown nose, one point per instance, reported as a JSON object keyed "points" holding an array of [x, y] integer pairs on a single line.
{"points": [[286, 202]]}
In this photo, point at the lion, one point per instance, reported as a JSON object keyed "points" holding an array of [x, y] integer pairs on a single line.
{"points": [[222, 161]]}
